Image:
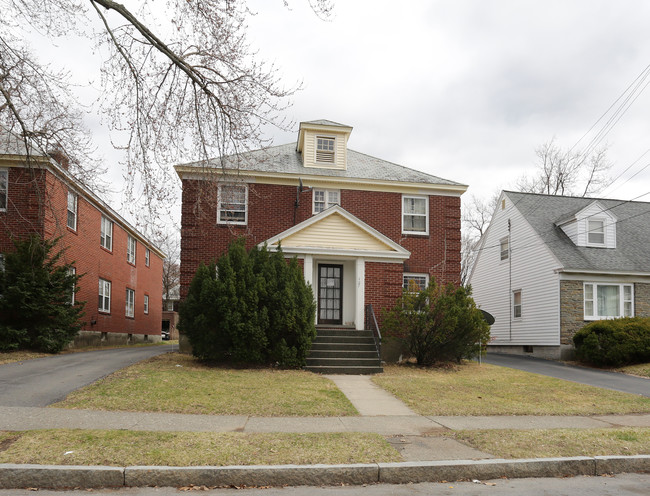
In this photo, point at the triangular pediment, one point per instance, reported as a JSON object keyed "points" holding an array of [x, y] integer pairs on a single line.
{"points": [[336, 231]]}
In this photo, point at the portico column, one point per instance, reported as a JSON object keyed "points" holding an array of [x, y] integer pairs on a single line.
{"points": [[359, 316], [308, 269]]}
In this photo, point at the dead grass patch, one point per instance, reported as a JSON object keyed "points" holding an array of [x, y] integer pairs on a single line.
{"points": [[20, 356], [641, 369], [181, 449], [474, 389], [558, 442], [178, 383]]}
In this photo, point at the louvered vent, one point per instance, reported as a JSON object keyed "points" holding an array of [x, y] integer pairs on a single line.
{"points": [[324, 149], [323, 156]]}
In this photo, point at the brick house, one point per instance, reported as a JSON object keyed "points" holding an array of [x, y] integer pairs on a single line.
{"points": [[548, 265], [122, 270], [361, 227]]}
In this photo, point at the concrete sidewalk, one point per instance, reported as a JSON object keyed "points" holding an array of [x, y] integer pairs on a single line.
{"points": [[27, 418]]}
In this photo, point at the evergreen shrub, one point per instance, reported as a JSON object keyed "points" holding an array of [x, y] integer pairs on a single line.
{"points": [[252, 307], [438, 324], [614, 342], [36, 310]]}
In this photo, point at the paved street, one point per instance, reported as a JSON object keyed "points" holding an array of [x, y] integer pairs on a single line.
{"points": [[44, 381], [583, 375], [620, 485]]}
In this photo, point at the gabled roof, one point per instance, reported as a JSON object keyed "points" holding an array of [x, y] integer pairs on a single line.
{"points": [[285, 160], [325, 122], [336, 231], [579, 213], [12, 144], [632, 252]]}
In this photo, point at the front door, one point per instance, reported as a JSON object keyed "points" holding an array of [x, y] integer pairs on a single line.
{"points": [[330, 294]]}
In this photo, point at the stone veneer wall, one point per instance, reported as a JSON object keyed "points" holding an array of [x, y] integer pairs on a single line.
{"points": [[572, 312], [642, 299], [572, 316]]}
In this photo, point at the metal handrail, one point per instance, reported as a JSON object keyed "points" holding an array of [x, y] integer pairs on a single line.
{"points": [[371, 324]]}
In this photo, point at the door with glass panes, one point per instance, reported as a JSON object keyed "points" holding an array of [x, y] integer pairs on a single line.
{"points": [[330, 294]]}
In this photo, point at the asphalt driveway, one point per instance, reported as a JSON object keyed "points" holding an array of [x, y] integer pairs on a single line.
{"points": [[44, 381], [583, 375]]}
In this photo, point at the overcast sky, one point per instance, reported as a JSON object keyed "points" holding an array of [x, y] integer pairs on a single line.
{"points": [[464, 89]]}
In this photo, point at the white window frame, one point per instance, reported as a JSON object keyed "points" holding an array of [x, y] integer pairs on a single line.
{"points": [[105, 295], [169, 305], [73, 201], [325, 150], [425, 215], [73, 272], [412, 276], [221, 209], [592, 230], [131, 247], [590, 299], [147, 256], [328, 199], [146, 304], [129, 309], [4, 189], [517, 308], [504, 248], [106, 233]]}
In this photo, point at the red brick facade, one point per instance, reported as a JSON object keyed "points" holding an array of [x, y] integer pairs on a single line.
{"points": [[271, 210], [37, 203]]}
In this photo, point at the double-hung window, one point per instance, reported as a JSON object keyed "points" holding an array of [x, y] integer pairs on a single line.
{"points": [[415, 214], [325, 149], [596, 232], [325, 198], [147, 256], [608, 301], [130, 249], [233, 204], [414, 283], [4, 189], [146, 303], [130, 302], [516, 304], [72, 210], [104, 296], [106, 238], [504, 246]]}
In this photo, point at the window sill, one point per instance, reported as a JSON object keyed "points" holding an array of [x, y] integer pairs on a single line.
{"points": [[130, 263], [73, 231], [104, 312], [416, 234], [106, 249]]}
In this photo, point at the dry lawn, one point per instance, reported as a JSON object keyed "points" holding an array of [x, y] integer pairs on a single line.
{"points": [[558, 442], [473, 389], [642, 370], [20, 356], [181, 449], [181, 384]]}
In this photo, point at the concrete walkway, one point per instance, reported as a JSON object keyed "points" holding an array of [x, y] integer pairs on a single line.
{"points": [[367, 397]]}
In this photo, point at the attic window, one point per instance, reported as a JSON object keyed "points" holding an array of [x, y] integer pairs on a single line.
{"points": [[324, 149], [596, 232]]}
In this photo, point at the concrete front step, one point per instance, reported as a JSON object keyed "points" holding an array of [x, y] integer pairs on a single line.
{"points": [[343, 347], [349, 361], [343, 350], [343, 353], [344, 370], [344, 339], [344, 333]]}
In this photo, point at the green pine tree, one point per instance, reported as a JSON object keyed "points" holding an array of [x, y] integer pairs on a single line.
{"points": [[36, 309]]}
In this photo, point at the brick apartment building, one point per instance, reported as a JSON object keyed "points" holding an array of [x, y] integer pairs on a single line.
{"points": [[361, 227], [122, 270]]}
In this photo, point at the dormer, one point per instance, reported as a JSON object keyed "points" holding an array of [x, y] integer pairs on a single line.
{"points": [[594, 226], [323, 144]]}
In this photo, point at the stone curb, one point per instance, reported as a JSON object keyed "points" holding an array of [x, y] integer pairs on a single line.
{"points": [[61, 476]]}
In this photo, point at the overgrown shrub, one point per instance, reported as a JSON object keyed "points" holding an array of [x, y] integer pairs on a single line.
{"points": [[438, 324], [35, 308], [250, 307], [614, 342]]}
